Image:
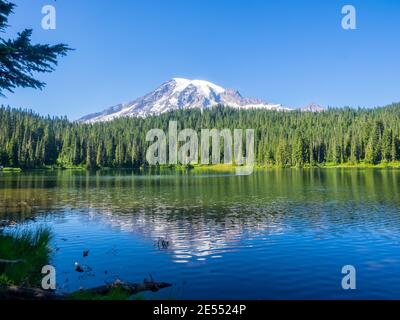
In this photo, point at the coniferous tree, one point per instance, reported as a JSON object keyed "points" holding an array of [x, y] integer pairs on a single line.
{"points": [[373, 152], [387, 145], [19, 58], [284, 139], [395, 149], [90, 158], [299, 151]]}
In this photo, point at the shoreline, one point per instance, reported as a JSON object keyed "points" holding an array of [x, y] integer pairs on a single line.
{"points": [[215, 168]]}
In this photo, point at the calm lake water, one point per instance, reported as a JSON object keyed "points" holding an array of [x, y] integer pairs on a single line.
{"points": [[278, 234]]}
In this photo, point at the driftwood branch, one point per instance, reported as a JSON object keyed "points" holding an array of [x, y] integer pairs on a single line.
{"points": [[4, 261], [20, 293]]}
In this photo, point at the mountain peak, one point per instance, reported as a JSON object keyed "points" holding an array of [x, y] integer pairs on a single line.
{"points": [[181, 93], [313, 107], [205, 86]]}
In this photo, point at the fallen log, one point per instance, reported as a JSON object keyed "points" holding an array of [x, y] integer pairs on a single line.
{"points": [[129, 288], [21, 293]]}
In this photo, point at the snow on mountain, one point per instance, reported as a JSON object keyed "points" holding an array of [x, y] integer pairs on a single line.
{"points": [[313, 107], [177, 94]]}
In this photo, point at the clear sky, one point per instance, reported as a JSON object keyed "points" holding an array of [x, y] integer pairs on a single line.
{"points": [[288, 51]]}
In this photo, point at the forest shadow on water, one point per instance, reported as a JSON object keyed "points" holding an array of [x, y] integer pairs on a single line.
{"points": [[281, 233]]}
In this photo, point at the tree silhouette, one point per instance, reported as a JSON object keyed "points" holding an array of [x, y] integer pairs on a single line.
{"points": [[20, 59]]}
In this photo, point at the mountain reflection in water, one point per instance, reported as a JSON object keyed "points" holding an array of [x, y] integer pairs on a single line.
{"points": [[274, 234]]}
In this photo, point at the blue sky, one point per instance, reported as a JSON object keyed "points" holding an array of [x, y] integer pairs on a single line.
{"points": [[289, 51]]}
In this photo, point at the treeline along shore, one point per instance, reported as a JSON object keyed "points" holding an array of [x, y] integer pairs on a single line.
{"points": [[284, 139]]}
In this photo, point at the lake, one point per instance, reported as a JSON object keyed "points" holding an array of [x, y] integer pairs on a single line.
{"points": [[277, 234]]}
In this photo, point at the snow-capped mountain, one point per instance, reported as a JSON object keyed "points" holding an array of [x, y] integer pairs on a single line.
{"points": [[177, 94], [313, 107]]}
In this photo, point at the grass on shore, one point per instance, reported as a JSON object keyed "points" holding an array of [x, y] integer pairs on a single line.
{"points": [[55, 167], [30, 246], [224, 168], [9, 169], [363, 165]]}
